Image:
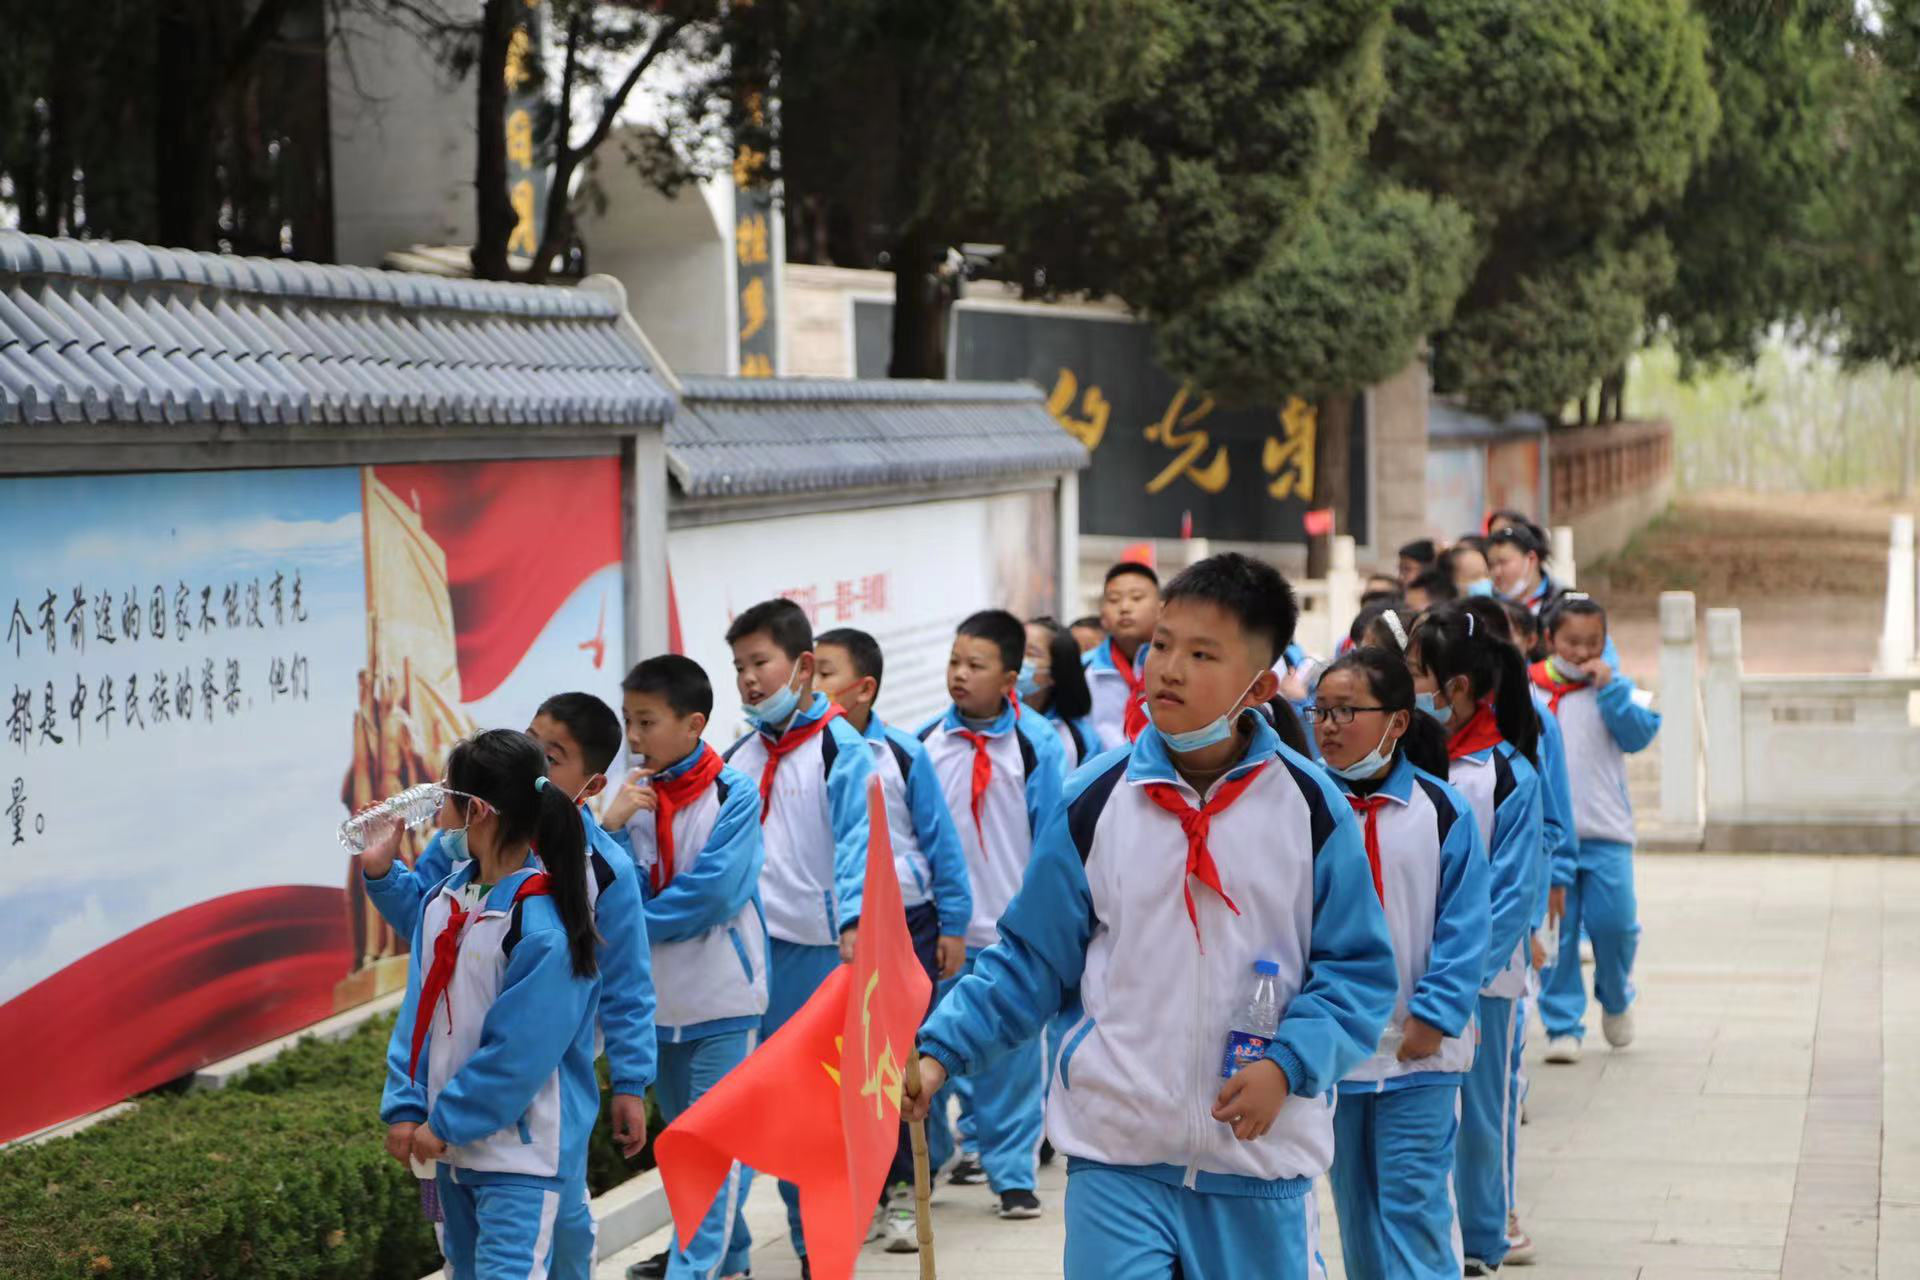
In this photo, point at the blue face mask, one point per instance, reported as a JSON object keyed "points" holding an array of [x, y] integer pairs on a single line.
{"points": [[455, 843], [775, 709], [1480, 587], [1367, 766], [1211, 734], [1430, 703], [1028, 684]]}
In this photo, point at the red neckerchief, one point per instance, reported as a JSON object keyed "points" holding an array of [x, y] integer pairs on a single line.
{"points": [[1477, 734], [1135, 718], [673, 795], [1195, 823], [1542, 675], [446, 954], [1369, 807], [780, 747], [982, 778]]}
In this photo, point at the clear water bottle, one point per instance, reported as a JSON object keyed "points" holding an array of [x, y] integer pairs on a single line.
{"points": [[414, 807], [1258, 1019], [427, 1172], [1392, 1036], [1550, 940]]}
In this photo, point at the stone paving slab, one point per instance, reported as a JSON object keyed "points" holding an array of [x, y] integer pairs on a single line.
{"points": [[1765, 1125]]}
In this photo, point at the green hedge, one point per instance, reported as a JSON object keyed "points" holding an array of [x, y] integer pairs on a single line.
{"points": [[283, 1176]]}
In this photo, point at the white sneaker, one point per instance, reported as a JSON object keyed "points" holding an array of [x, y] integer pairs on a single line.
{"points": [[902, 1229], [1563, 1049], [1618, 1028], [1520, 1251]]}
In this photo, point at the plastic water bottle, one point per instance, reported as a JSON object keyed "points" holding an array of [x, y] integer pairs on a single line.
{"points": [[1258, 1019], [414, 807], [427, 1171], [1550, 939]]}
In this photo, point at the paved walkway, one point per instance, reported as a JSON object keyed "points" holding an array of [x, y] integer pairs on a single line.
{"points": [[1765, 1124]]}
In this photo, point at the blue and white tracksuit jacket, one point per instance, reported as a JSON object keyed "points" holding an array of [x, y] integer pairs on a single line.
{"points": [[627, 986], [927, 856], [1080, 740], [1562, 846], [1435, 878], [505, 1073], [1024, 793], [1102, 912], [815, 828], [1601, 727], [1109, 688], [709, 941], [1504, 791]]}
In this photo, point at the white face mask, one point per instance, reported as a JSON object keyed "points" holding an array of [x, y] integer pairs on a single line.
{"points": [[1211, 734], [1368, 765]]}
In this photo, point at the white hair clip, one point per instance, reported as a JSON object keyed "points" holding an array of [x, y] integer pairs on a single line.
{"points": [[1392, 620], [1469, 625]]}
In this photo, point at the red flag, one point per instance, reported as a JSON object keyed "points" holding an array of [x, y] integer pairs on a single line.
{"points": [[1145, 553], [818, 1104], [1318, 523]]}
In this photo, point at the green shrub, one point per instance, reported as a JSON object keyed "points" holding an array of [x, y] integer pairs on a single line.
{"points": [[283, 1176]]}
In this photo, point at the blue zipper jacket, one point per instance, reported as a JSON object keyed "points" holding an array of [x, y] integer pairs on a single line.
{"points": [[926, 844], [627, 1002]]}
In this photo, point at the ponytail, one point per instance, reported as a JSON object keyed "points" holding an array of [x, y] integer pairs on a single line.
{"points": [[1471, 638], [563, 850], [1069, 698], [508, 770]]}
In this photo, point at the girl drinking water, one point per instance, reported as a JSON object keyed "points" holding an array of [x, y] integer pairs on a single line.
{"points": [[490, 1068]]}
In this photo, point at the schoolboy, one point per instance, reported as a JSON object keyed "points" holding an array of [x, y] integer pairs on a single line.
{"points": [[926, 854], [1179, 863], [1603, 719], [580, 736], [1416, 558], [1129, 607], [811, 768], [1088, 632], [692, 827], [1000, 769]]}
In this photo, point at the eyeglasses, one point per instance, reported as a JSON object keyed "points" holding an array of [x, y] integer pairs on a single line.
{"points": [[1337, 716]]}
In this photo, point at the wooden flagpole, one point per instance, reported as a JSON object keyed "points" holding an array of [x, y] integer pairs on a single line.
{"points": [[922, 1175]]}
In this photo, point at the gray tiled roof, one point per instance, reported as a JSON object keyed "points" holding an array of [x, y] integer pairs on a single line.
{"points": [[1447, 420], [96, 331], [737, 437]]}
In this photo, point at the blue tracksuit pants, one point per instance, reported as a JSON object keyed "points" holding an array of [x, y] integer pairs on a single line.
{"points": [[501, 1230], [1006, 1104], [1482, 1156], [923, 926], [794, 974], [575, 1235], [1601, 902], [687, 1070], [1123, 1225], [1392, 1181]]}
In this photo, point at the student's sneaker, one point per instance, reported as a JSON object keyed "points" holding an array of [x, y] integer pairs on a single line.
{"points": [[1617, 1028], [649, 1268], [1563, 1049], [901, 1228], [1520, 1250], [1046, 1153], [1019, 1204], [1475, 1267], [967, 1172]]}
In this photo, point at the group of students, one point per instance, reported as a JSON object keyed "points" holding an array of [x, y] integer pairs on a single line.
{"points": [[1097, 846]]}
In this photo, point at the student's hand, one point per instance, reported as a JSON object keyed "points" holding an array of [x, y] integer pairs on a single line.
{"points": [[917, 1106], [400, 1139], [1538, 950], [1598, 671], [1294, 686], [1557, 902], [1418, 1040], [1252, 1099], [426, 1145], [633, 796], [378, 858], [629, 1116], [848, 937], [951, 955]]}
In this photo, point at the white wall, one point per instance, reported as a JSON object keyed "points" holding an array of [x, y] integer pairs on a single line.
{"points": [[403, 141]]}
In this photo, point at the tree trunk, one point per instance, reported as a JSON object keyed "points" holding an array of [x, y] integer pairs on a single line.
{"points": [[1906, 436], [1332, 476], [184, 128], [919, 310], [494, 217]]}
